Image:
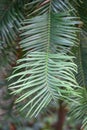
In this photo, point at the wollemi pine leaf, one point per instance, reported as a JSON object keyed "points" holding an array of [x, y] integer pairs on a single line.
{"points": [[46, 72]]}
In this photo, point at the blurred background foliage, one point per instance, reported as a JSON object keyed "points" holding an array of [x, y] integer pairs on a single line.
{"points": [[12, 13]]}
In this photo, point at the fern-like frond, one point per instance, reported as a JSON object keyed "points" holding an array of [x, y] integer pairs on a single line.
{"points": [[82, 9], [80, 75], [11, 16], [79, 110], [46, 72], [10, 21], [84, 56], [81, 55]]}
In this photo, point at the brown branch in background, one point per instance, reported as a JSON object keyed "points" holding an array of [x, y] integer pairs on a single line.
{"points": [[62, 111], [12, 126]]}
